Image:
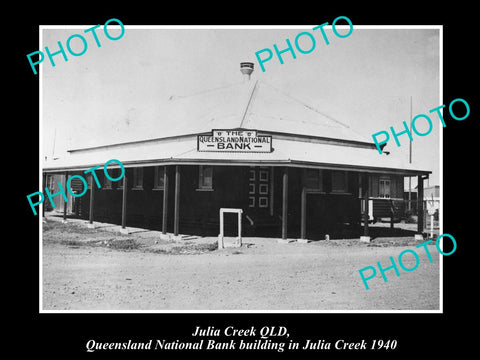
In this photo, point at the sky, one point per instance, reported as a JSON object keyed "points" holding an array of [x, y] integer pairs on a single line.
{"points": [[116, 92]]}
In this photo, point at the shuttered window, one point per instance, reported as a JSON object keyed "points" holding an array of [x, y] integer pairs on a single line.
{"points": [[339, 181], [314, 179], [107, 183], [137, 178], [205, 177], [384, 188], [158, 179]]}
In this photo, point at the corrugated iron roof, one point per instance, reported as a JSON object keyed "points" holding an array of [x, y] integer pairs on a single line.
{"points": [[253, 105], [250, 105], [274, 110]]}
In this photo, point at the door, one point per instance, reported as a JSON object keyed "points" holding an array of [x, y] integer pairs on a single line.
{"points": [[259, 188]]}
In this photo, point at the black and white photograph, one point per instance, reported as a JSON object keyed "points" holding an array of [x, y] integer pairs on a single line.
{"points": [[223, 180], [245, 184]]}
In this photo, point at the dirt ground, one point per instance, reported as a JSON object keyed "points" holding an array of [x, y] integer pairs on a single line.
{"points": [[93, 269]]}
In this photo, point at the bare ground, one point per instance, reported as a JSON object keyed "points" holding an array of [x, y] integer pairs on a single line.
{"points": [[85, 269]]}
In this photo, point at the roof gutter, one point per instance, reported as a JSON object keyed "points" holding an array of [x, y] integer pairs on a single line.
{"points": [[277, 163]]}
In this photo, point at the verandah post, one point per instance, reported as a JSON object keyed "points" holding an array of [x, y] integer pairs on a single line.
{"points": [[303, 220], [165, 200], [366, 195], [92, 195], [284, 203], [177, 201], [420, 223], [43, 187], [124, 201], [65, 203]]}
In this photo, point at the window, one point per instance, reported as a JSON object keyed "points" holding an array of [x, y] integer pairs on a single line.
{"points": [[339, 181], [314, 179], [205, 178], [384, 188], [116, 174], [120, 183], [263, 175], [159, 178], [90, 181], [137, 178], [263, 189], [263, 202], [107, 183]]}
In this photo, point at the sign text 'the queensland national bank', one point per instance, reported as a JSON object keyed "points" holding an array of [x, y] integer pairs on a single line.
{"points": [[235, 141]]}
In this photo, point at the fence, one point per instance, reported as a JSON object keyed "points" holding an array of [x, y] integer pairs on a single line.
{"points": [[406, 211]]}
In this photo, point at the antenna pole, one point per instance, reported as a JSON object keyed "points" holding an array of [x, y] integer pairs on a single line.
{"points": [[54, 139], [410, 147], [410, 161]]}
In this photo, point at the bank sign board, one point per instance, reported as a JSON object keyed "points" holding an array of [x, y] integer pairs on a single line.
{"points": [[234, 141]]}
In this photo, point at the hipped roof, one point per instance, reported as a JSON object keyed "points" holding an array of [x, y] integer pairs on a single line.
{"points": [[302, 136], [250, 105]]}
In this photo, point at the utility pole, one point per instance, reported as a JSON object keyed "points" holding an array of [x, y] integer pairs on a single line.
{"points": [[410, 161], [54, 139]]}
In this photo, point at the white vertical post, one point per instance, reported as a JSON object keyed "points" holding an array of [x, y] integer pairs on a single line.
{"points": [[239, 238], [220, 237], [238, 241], [431, 225], [221, 222]]}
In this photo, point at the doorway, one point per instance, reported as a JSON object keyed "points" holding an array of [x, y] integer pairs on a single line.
{"points": [[259, 188]]}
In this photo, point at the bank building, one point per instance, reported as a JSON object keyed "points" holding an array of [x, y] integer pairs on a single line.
{"points": [[286, 171]]}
